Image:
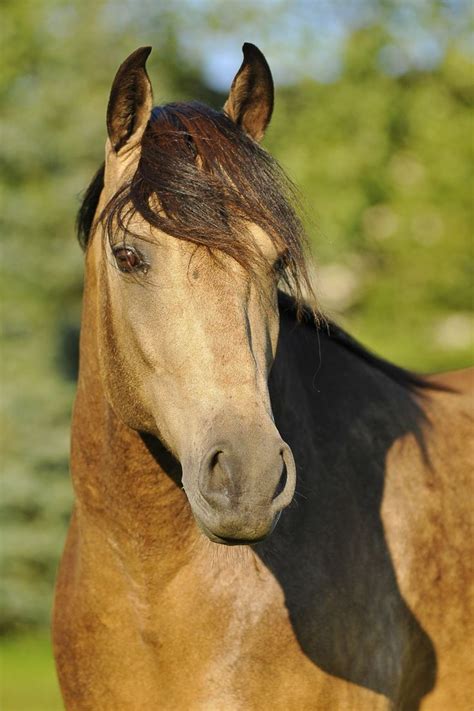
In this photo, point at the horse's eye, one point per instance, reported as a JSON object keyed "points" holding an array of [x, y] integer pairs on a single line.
{"points": [[281, 263], [128, 260]]}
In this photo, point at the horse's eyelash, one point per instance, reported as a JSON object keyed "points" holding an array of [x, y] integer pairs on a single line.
{"points": [[281, 262]]}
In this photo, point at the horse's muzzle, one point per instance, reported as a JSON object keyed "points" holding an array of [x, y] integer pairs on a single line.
{"points": [[241, 491]]}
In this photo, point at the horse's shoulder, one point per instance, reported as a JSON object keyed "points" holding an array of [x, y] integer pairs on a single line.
{"points": [[443, 445]]}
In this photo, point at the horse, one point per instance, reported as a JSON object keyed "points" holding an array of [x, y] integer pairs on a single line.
{"points": [[267, 515]]}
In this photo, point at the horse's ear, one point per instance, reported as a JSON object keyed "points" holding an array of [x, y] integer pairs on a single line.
{"points": [[250, 102], [130, 102]]}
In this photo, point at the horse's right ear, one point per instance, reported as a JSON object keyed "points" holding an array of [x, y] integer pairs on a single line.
{"points": [[130, 102]]}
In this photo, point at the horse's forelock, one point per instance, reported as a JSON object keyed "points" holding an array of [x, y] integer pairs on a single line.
{"points": [[210, 180]]}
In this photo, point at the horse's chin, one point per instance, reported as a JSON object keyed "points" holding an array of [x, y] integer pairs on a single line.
{"points": [[236, 538]]}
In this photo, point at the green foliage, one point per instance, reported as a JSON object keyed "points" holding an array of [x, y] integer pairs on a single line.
{"points": [[27, 677], [386, 160], [388, 163]]}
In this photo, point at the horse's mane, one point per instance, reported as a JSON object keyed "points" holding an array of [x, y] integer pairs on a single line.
{"points": [[200, 178], [328, 329]]}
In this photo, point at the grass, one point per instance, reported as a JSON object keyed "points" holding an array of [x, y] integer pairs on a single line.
{"points": [[27, 676]]}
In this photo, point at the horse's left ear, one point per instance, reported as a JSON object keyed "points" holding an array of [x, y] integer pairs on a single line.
{"points": [[250, 102], [130, 102]]}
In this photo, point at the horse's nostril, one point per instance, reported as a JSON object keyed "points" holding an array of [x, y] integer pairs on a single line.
{"points": [[247, 480], [282, 482], [219, 481], [214, 460]]}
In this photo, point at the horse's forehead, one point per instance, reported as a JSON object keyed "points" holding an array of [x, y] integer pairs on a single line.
{"points": [[181, 252], [187, 261]]}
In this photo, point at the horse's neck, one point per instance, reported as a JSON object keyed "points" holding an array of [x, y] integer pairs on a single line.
{"points": [[127, 486]]}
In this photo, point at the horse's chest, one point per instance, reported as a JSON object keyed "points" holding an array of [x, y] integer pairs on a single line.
{"points": [[231, 645], [218, 638]]}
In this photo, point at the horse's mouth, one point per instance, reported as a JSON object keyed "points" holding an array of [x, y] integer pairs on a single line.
{"points": [[232, 540]]}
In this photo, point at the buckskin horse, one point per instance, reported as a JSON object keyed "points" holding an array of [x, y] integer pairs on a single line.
{"points": [[213, 410]]}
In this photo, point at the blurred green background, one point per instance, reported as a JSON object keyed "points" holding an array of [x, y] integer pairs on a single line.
{"points": [[372, 121]]}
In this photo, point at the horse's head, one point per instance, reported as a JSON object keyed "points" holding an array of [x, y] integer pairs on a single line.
{"points": [[192, 231]]}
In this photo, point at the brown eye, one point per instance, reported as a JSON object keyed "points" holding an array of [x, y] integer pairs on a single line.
{"points": [[128, 260], [281, 263]]}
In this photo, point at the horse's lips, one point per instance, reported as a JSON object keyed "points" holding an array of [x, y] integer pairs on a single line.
{"points": [[222, 540]]}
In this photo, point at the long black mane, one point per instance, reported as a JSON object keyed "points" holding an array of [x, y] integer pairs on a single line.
{"points": [[337, 334]]}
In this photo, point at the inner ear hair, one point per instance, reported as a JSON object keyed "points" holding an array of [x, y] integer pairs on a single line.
{"points": [[130, 101], [250, 102]]}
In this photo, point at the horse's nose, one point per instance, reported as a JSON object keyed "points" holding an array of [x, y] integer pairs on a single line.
{"points": [[245, 488]]}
